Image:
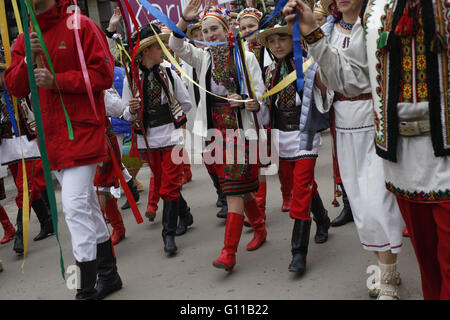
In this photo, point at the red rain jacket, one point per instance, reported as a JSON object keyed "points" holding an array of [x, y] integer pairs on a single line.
{"points": [[89, 144]]}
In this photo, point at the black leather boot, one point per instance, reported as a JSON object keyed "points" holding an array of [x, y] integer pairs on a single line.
{"points": [[44, 196], [88, 277], [320, 216], [134, 191], [45, 219], [169, 221], [18, 241], [220, 196], [299, 242], [223, 213], [185, 218], [108, 279], [346, 214]]}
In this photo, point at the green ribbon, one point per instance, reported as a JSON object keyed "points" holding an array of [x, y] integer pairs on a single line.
{"points": [[382, 42], [40, 129], [49, 62]]}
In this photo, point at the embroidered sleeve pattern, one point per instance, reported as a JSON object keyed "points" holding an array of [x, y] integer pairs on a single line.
{"points": [[314, 36]]}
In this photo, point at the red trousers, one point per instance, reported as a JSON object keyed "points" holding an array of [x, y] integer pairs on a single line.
{"points": [[304, 187], [429, 230], [35, 175], [167, 174]]}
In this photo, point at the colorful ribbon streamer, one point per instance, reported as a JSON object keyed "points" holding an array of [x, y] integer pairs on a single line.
{"points": [[17, 16], [40, 131]]}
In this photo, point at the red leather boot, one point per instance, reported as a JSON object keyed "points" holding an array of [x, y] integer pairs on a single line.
{"points": [[187, 174], [233, 231], [7, 226], [405, 232], [258, 222], [153, 199], [115, 218], [260, 197]]}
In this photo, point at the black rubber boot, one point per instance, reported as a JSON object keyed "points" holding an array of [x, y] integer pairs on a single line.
{"points": [[18, 241], [108, 279], [346, 214], [299, 243], [45, 219], [320, 216], [134, 191], [169, 221], [88, 277], [185, 218]]}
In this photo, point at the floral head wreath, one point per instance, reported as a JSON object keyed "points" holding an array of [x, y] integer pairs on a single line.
{"points": [[221, 14], [250, 12]]}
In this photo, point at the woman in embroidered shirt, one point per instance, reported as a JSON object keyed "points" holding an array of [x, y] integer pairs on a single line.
{"points": [[162, 89], [218, 74], [288, 110], [376, 213]]}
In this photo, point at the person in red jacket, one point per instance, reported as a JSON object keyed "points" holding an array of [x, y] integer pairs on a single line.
{"points": [[74, 161]]}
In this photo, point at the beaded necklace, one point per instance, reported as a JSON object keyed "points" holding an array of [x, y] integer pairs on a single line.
{"points": [[346, 26], [223, 73]]}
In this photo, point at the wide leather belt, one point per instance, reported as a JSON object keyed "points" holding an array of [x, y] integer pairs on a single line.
{"points": [[415, 127]]}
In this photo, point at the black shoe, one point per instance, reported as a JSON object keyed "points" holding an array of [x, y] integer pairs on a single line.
{"points": [[45, 219], [169, 221], [185, 218], [88, 277], [346, 214], [135, 193], [18, 241], [321, 218], [299, 242], [108, 279]]}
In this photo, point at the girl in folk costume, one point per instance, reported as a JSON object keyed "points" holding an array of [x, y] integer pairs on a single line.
{"points": [[106, 178], [194, 31], [217, 72], [375, 210], [165, 99], [296, 126], [322, 11], [11, 148]]}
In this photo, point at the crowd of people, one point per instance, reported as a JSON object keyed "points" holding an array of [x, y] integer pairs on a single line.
{"points": [[375, 73]]}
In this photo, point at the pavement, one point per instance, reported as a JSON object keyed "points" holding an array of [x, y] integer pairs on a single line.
{"points": [[335, 269]]}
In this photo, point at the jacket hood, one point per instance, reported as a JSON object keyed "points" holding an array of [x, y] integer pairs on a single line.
{"points": [[52, 16]]}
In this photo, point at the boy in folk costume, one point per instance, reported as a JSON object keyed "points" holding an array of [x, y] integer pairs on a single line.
{"points": [[163, 91], [11, 148], [74, 161], [296, 124], [398, 52], [217, 72]]}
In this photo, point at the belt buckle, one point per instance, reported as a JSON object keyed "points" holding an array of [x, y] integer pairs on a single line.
{"points": [[410, 128]]}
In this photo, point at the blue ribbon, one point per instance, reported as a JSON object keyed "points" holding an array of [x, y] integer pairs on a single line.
{"points": [[298, 54], [172, 26], [10, 111], [237, 61]]}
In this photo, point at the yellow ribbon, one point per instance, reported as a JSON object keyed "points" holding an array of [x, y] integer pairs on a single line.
{"points": [[26, 199], [17, 15]]}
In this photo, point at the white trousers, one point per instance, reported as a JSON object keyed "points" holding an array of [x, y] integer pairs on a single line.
{"points": [[82, 211]]}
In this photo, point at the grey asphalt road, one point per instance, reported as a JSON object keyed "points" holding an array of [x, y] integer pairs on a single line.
{"points": [[336, 269]]}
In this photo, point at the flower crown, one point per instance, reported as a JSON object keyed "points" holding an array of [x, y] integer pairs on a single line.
{"points": [[250, 12], [218, 13]]}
